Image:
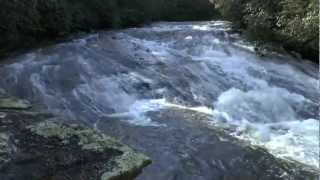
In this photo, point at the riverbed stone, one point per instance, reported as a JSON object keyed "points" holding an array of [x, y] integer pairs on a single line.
{"points": [[39, 145], [187, 148], [2, 115], [4, 148], [2, 92], [14, 103]]}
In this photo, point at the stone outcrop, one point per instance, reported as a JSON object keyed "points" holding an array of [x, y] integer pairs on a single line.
{"points": [[35, 145]]}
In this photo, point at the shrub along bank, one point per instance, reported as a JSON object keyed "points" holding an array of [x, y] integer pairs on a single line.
{"points": [[26, 22], [292, 23]]}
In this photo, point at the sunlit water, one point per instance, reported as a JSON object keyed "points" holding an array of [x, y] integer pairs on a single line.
{"points": [[203, 67]]}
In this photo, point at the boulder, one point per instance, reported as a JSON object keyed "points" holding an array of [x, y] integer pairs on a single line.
{"points": [[36, 145], [13, 103]]}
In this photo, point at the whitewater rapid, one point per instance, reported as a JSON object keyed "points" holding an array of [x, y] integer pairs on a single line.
{"points": [[205, 67]]}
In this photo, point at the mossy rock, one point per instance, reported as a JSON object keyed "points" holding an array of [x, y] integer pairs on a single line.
{"points": [[125, 164], [35, 145], [4, 148], [13, 103]]}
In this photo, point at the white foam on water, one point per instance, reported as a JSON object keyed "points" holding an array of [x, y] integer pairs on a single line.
{"points": [[267, 105], [300, 142], [201, 28], [159, 27], [266, 117], [284, 136], [256, 112], [264, 114], [188, 38], [140, 108], [213, 25], [293, 140], [245, 45], [205, 26], [157, 49]]}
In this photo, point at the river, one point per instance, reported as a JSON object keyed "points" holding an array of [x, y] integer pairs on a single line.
{"points": [[171, 89]]}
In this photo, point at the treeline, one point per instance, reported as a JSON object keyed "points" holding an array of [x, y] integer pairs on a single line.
{"points": [[24, 22], [292, 23]]}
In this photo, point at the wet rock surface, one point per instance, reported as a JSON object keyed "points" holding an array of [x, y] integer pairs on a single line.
{"points": [[185, 148], [129, 84], [35, 145]]}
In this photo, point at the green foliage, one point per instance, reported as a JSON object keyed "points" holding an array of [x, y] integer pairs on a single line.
{"points": [[188, 10], [293, 23], [24, 22]]}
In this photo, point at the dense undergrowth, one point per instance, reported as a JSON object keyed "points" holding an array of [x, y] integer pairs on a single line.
{"points": [[26, 22], [292, 23]]}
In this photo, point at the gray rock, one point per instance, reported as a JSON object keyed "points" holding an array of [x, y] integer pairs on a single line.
{"points": [[2, 92], [2, 115], [13, 103], [36, 145], [4, 148]]}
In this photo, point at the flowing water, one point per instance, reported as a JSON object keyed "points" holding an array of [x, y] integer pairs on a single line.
{"points": [[120, 81]]}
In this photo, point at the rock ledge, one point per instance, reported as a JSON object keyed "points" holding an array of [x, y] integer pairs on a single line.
{"points": [[35, 145]]}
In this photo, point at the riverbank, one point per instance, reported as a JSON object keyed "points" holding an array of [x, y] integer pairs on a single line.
{"points": [[26, 23], [292, 24]]}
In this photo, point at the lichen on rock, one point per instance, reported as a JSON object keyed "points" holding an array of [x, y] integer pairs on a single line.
{"points": [[35, 145], [88, 138], [128, 164], [13, 103], [4, 148]]}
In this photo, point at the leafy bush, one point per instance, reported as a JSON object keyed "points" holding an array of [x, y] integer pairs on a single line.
{"points": [[293, 23], [25, 22]]}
